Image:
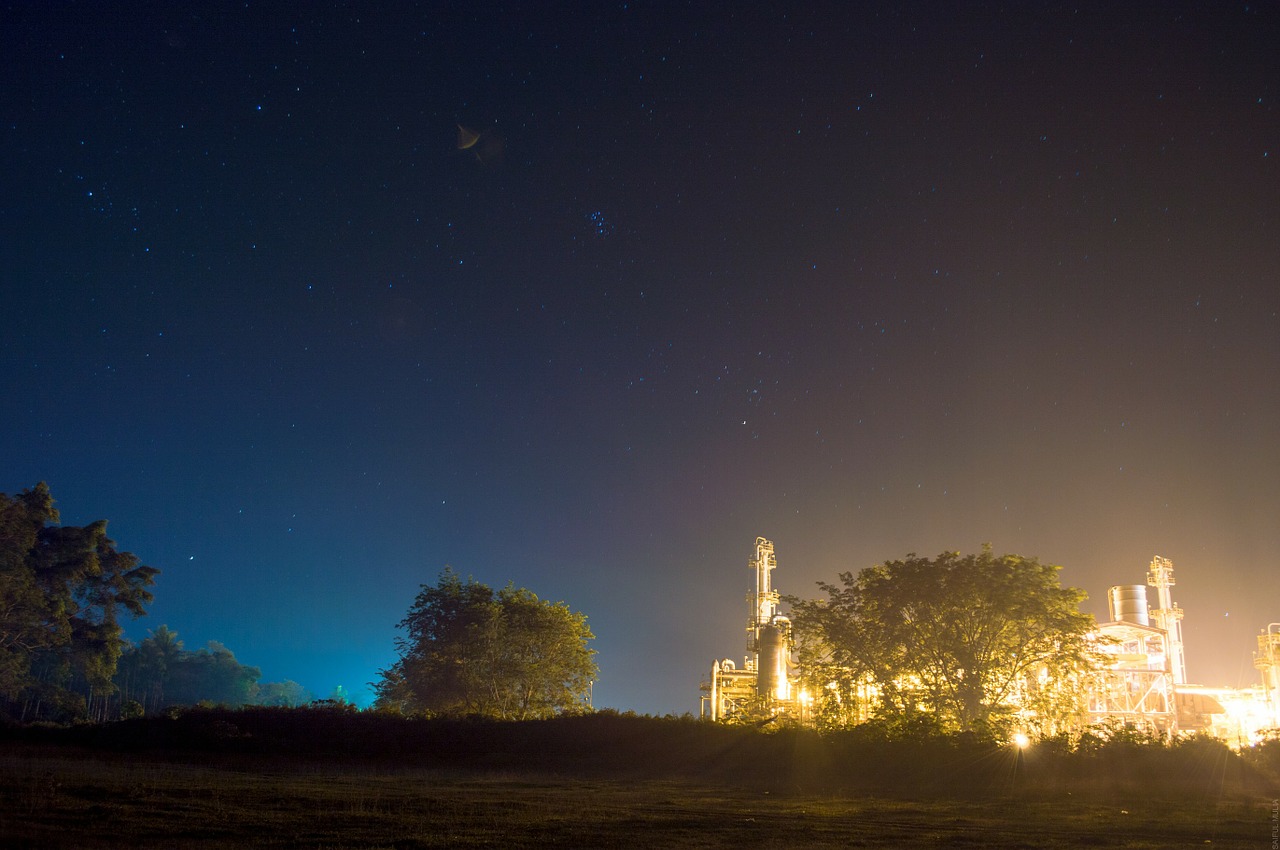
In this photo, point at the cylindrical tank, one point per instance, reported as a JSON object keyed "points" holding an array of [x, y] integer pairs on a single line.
{"points": [[769, 645], [1129, 604], [782, 660]]}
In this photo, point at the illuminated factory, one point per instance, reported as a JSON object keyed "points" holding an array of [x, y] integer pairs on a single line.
{"points": [[1142, 682], [764, 682]]}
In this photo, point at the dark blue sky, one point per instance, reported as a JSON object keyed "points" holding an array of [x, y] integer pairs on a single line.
{"points": [[866, 279]]}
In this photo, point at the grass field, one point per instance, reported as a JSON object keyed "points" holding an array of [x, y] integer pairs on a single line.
{"points": [[72, 799], [308, 779]]}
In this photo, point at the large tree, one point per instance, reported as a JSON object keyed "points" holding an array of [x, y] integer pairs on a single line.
{"points": [[62, 592], [960, 640], [470, 651], [211, 675]]}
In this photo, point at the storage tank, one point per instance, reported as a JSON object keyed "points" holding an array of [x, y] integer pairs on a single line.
{"points": [[1129, 604], [770, 646]]}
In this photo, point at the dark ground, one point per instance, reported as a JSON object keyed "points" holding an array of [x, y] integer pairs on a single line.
{"points": [[330, 779]]}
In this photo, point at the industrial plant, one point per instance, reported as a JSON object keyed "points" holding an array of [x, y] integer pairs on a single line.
{"points": [[1139, 682], [767, 674]]}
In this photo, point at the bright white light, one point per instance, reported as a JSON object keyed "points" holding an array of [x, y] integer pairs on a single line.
{"points": [[1021, 741]]}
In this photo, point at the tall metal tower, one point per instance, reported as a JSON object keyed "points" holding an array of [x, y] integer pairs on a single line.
{"points": [[770, 631], [764, 562], [1168, 616]]}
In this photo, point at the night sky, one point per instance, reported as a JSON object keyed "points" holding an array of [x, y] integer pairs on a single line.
{"points": [[864, 279]]}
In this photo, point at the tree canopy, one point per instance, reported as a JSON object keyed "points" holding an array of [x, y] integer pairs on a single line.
{"points": [[955, 640], [63, 590], [468, 650], [158, 672]]}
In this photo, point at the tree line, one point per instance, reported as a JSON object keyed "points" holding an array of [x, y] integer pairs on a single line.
{"points": [[64, 591], [157, 673], [956, 643]]}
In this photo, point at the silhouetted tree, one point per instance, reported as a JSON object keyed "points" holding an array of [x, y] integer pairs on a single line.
{"points": [[954, 640], [287, 693], [144, 669], [469, 650], [62, 592]]}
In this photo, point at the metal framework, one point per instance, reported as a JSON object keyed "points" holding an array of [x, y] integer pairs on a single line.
{"points": [[1168, 616], [1267, 660], [1136, 686], [730, 691]]}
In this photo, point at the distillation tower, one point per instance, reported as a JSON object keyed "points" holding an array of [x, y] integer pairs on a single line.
{"points": [[763, 684]]}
